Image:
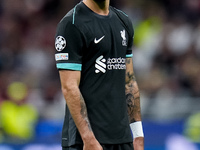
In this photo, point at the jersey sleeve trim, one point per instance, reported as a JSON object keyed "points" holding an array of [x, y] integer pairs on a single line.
{"points": [[69, 66], [129, 55], [74, 12]]}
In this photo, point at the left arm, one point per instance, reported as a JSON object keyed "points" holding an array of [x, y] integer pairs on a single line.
{"points": [[133, 102]]}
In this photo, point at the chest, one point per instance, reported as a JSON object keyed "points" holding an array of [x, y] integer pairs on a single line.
{"points": [[107, 37]]}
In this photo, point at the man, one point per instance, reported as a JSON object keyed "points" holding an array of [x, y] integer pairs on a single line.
{"points": [[94, 58]]}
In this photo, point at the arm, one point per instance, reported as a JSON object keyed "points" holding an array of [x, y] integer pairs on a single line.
{"points": [[70, 87], [133, 101]]}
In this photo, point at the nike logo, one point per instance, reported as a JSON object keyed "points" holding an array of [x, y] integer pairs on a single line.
{"points": [[97, 41]]}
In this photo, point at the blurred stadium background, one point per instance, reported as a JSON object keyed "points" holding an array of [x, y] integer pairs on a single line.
{"points": [[166, 61]]}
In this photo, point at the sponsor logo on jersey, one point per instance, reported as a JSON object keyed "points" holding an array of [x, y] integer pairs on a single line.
{"points": [[103, 65], [100, 65], [60, 43], [61, 56], [116, 63], [123, 35]]}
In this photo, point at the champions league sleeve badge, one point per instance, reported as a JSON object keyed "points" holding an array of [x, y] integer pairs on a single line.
{"points": [[60, 43]]}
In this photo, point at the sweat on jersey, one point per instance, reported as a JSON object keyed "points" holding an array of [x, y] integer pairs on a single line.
{"points": [[97, 46]]}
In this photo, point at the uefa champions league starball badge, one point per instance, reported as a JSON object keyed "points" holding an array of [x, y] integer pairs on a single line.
{"points": [[60, 43]]}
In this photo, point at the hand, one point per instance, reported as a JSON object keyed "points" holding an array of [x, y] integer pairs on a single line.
{"points": [[138, 143], [92, 145]]}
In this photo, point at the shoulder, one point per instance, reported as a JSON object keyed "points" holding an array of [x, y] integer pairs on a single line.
{"points": [[76, 17], [69, 17], [124, 18], [121, 14], [72, 15]]}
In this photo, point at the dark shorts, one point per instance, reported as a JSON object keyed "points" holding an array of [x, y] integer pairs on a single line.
{"points": [[126, 146]]}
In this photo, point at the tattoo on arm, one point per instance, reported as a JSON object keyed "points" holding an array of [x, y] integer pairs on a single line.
{"points": [[130, 104], [132, 96], [133, 101], [84, 112], [128, 61], [130, 77]]}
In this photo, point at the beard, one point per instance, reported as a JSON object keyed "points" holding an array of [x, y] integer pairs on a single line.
{"points": [[99, 0]]}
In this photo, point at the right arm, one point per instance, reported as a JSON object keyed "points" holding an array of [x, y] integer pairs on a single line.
{"points": [[70, 87]]}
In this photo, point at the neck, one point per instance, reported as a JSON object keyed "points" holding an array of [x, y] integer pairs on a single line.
{"points": [[101, 8]]}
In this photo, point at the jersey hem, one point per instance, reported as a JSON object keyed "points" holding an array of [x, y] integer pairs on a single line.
{"points": [[119, 141]]}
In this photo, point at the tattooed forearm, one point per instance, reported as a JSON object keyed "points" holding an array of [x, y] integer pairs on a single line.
{"points": [[84, 112], [132, 94], [130, 105], [133, 101], [130, 77]]}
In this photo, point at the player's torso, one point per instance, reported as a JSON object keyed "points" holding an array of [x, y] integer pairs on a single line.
{"points": [[106, 40], [103, 73]]}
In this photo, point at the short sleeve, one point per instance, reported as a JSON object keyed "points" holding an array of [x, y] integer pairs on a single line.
{"points": [[130, 40], [68, 45]]}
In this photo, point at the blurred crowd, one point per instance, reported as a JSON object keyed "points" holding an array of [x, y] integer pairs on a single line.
{"points": [[166, 59]]}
